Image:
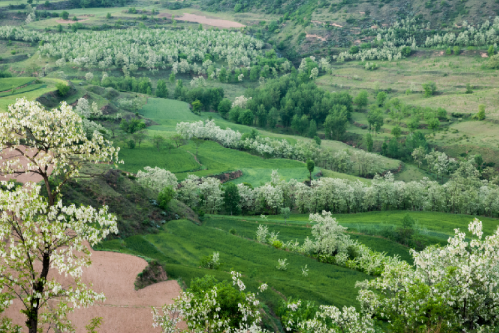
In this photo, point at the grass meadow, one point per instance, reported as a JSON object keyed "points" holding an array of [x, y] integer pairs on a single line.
{"points": [[212, 157], [30, 92], [435, 223], [180, 245]]}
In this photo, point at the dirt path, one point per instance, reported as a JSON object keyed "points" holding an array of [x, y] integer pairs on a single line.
{"points": [[204, 20]]}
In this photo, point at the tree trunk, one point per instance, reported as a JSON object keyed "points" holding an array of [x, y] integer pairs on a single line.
{"points": [[32, 322]]}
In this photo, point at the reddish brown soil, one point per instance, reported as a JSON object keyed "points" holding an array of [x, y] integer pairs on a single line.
{"points": [[204, 20], [316, 36], [125, 309], [24, 177]]}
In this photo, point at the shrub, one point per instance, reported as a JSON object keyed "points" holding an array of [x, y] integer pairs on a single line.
{"points": [[165, 196], [282, 264], [211, 262], [65, 15], [469, 88], [5, 74], [131, 143], [277, 244], [62, 89], [491, 51], [406, 51], [429, 88], [481, 112]]}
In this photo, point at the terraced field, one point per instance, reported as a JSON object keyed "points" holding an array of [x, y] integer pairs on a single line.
{"points": [[211, 157]]}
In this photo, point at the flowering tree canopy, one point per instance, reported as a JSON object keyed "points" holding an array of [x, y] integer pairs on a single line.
{"points": [[157, 178], [454, 288], [212, 307], [50, 141]]}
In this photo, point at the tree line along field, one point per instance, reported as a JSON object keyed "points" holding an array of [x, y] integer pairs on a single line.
{"points": [[212, 158]]}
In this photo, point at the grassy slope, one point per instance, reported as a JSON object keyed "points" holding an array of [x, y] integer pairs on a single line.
{"points": [[46, 86], [9, 82], [451, 74], [181, 245], [442, 224], [99, 184], [291, 232], [213, 157]]}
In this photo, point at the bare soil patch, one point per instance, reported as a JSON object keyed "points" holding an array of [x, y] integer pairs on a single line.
{"points": [[316, 36], [125, 309], [205, 20], [10, 155]]}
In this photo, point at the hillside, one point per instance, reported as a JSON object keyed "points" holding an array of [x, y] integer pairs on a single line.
{"points": [[280, 166]]}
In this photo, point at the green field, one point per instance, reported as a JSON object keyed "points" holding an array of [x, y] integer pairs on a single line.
{"points": [[437, 224], [288, 232], [181, 244], [30, 92], [9, 82], [215, 159]]}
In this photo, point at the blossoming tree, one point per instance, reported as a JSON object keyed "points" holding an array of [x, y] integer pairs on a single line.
{"points": [[39, 233], [450, 289], [210, 307]]}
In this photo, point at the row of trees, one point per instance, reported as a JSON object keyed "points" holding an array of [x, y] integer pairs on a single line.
{"points": [[464, 193], [343, 161]]}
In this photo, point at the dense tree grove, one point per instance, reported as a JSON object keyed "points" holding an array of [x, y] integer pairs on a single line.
{"points": [[197, 52], [293, 101]]}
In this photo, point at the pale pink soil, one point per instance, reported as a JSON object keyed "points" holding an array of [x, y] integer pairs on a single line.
{"points": [[125, 310], [205, 20], [22, 178], [315, 36], [484, 55], [333, 24]]}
